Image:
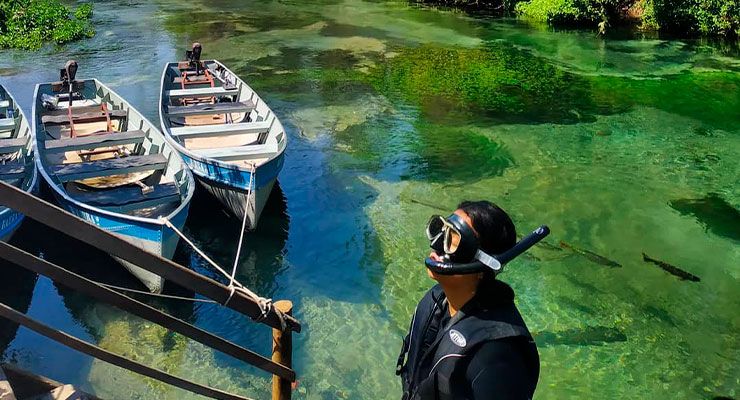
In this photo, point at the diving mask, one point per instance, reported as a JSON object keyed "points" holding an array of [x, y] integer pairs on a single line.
{"points": [[458, 245]]}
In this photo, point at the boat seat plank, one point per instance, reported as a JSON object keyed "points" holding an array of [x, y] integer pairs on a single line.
{"points": [[201, 131], [4, 103], [7, 124], [76, 109], [192, 78], [202, 92], [12, 171], [80, 117], [247, 152], [12, 145], [94, 141], [206, 109], [129, 195], [108, 167]]}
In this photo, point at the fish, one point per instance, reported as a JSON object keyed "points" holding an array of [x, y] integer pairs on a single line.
{"points": [[591, 256], [671, 269], [430, 205], [589, 336]]}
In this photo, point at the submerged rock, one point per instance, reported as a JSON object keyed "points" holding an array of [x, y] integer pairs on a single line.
{"points": [[713, 212]]}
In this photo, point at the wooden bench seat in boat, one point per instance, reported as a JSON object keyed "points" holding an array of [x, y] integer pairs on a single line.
{"points": [[194, 78], [7, 124], [250, 151], [12, 145], [12, 171], [81, 115], [201, 131], [4, 104], [202, 92], [108, 167], [207, 109], [94, 141], [129, 197]]}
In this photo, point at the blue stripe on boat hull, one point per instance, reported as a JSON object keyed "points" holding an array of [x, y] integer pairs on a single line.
{"points": [[9, 222], [229, 185], [153, 237]]}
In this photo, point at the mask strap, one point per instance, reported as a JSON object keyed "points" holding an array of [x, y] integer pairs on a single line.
{"points": [[490, 261]]}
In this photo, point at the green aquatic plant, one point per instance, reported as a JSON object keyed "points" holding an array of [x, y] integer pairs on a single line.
{"points": [[28, 24], [497, 80]]}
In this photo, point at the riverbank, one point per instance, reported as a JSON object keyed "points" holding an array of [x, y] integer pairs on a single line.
{"points": [[679, 18]]}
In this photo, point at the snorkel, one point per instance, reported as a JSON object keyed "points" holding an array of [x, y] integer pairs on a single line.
{"points": [[467, 257]]}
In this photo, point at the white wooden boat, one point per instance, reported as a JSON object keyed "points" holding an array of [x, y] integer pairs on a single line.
{"points": [[108, 164], [225, 132], [16, 158]]}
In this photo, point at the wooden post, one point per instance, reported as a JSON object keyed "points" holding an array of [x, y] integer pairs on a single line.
{"points": [[282, 353]]}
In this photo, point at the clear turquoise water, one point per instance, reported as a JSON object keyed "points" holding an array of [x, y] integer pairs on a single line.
{"points": [[622, 145]]}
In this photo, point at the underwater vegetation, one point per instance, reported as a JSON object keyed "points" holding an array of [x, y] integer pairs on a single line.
{"points": [[591, 256], [588, 336], [713, 212]]}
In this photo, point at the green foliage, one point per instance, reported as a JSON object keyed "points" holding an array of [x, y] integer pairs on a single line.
{"points": [[684, 17], [573, 12], [27, 24]]}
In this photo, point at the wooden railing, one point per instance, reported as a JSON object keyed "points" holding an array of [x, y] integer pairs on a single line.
{"points": [[278, 316]]}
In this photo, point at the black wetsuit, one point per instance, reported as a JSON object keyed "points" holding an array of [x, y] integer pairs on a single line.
{"points": [[484, 352]]}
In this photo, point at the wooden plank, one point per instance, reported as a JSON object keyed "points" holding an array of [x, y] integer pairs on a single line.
{"points": [[195, 78], [240, 152], [12, 171], [127, 195], [12, 145], [6, 391], [111, 166], [7, 124], [200, 131], [4, 103], [94, 141], [91, 116], [202, 92], [75, 110], [62, 86], [26, 384], [207, 109], [65, 392]]}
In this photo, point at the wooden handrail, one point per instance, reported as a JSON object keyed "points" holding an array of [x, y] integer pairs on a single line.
{"points": [[61, 220]]}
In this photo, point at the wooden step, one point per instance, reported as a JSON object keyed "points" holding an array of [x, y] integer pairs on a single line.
{"points": [[208, 109], [202, 92], [12, 171], [64, 392], [129, 197], [6, 391], [247, 152], [80, 117], [108, 167], [200, 131], [94, 141], [12, 145]]}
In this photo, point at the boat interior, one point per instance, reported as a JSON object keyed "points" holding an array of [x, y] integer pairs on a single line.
{"points": [[16, 160], [213, 114], [102, 152]]}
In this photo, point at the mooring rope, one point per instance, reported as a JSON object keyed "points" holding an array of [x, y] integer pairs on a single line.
{"points": [[166, 296], [265, 304]]}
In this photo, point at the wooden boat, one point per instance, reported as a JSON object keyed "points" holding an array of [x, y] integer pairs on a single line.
{"points": [[108, 164], [16, 158], [225, 132]]}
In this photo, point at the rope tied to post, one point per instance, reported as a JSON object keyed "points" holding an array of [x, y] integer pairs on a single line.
{"points": [[265, 304]]}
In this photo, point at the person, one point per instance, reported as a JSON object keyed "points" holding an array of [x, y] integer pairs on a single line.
{"points": [[467, 339]]}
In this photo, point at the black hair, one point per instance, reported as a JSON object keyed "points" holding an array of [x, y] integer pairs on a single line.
{"points": [[496, 231]]}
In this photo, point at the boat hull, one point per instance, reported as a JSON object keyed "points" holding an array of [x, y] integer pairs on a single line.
{"points": [[230, 185], [152, 237], [9, 222]]}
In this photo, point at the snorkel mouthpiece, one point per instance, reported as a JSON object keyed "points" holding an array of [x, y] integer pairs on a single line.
{"points": [[484, 262]]}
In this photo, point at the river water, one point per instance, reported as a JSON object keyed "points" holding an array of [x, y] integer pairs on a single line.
{"points": [[623, 146]]}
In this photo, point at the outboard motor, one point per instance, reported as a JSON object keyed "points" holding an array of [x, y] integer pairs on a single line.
{"points": [[67, 76], [193, 56]]}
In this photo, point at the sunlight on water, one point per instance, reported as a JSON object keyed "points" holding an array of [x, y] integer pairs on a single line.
{"points": [[622, 146]]}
